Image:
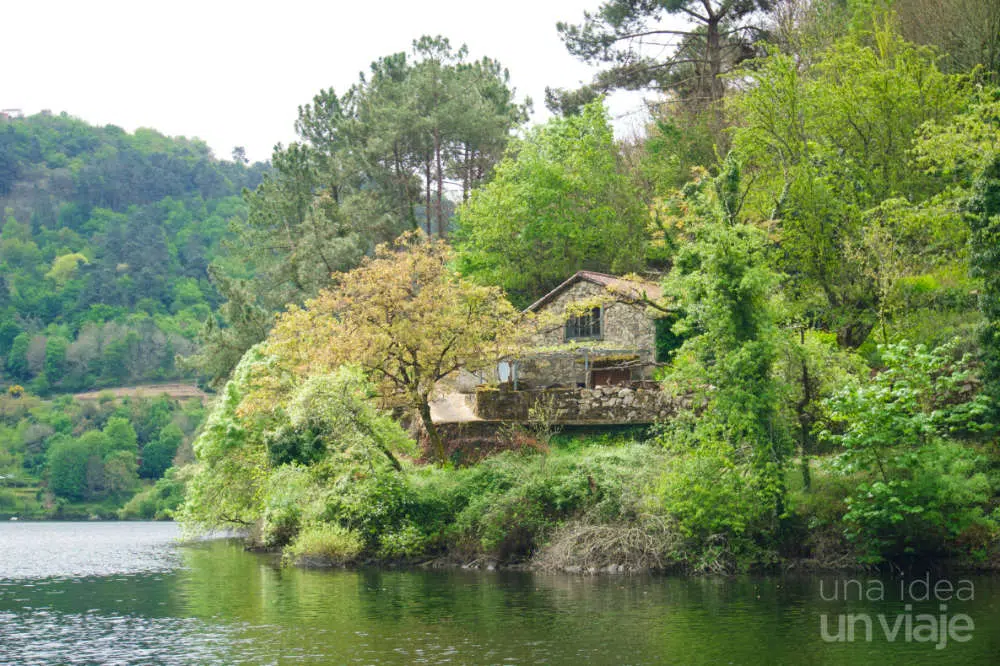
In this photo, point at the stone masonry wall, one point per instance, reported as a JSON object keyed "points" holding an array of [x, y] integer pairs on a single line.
{"points": [[625, 326], [604, 404]]}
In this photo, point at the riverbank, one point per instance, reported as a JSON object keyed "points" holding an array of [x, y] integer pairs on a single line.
{"points": [[583, 505]]}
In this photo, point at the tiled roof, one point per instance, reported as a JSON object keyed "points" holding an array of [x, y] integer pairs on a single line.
{"points": [[628, 289]]}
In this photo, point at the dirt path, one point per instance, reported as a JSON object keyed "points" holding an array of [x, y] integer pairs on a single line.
{"points": [[177, 391]]}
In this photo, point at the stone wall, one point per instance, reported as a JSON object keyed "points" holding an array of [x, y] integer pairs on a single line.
{"points": [[625, 326], [605, 404]]}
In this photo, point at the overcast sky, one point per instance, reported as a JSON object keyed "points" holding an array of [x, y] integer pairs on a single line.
{"points": [[234, 73]]}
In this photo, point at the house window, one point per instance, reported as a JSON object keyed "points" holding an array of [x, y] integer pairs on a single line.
{"points": [[584, 326]]}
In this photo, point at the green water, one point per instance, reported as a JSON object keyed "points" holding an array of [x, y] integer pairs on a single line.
{"points": [[127, 594]]}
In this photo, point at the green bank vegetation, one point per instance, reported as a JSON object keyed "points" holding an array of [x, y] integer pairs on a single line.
{"points": [[817, 192]]}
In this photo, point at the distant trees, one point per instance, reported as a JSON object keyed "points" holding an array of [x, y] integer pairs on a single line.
{"points": [[99, 228], [158, 455]]}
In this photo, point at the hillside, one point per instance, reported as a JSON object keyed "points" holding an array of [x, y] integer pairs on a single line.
{"points": [[105, 241]]}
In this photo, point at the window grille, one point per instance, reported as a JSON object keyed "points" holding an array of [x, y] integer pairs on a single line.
{"points": [[584, 326]]}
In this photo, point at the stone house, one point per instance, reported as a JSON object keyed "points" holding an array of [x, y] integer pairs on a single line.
{"points": [[590, 361], [601, 333]]}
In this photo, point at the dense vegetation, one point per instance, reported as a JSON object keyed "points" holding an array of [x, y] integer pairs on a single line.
{"points": [[66, 458], [105, 241], [104, 247], [817, 194]]}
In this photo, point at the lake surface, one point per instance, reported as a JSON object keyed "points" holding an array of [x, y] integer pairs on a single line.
{"points": [[129, 593]]}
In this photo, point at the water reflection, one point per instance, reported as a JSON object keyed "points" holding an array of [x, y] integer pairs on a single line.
{"points": [[220, 605]]}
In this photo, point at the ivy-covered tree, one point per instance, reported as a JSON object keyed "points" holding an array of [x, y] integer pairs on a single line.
{"points": [[722, 283], [984, 258]]}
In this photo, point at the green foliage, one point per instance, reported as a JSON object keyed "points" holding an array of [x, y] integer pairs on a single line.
{"points": [[723, 282], [905, 434], [160, 501], [325, 545], [712, 497], [158, 455], [121, 475], [101, 225], [68, 460], [17, 357], [984, 245], [121, 435], [828, 141], [558, 203], [84, 451]]}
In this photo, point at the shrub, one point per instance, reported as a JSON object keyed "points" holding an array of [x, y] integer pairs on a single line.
{"points": [[404, 543], [325, 544], [161, 500], [287, 494], [906, 437]]}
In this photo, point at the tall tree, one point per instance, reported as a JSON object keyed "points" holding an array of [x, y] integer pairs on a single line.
{"points": [[389, 154], [828, 142], [702, 39]]}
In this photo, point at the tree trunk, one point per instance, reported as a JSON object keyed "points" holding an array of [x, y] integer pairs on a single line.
{"points": [[427, 201], [714, 56], [442, 231], [805, 418], [434, 437]]}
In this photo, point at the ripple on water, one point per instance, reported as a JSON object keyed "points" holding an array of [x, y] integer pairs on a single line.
{"points": [[46, 637], [74, 550]]}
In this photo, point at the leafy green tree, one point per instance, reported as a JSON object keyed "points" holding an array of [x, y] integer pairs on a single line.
{"points": [[97, 442], [405, 318], [228, 485], [920, 488], [55, 357], [67, 462], [120, 473], [557, 204], [121, 435], [8, 331], [158, 455], [64, 267], [828, 141], [17, 358]]}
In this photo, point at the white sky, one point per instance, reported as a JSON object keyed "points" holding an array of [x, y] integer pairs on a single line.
{"points": [[234, 73]]}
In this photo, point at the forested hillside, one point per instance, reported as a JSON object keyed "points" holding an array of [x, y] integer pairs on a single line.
{"points": [[104, 248], [105, 244]]}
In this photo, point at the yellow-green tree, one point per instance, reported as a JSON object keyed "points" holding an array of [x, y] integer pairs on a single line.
{"points": [[405, 317]]}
